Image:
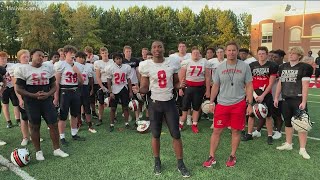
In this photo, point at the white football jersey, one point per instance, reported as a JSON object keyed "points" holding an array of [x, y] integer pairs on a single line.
{"points": [[214, 63], [68, 76], [250, 60], [195, 69], [180, 58], [119, 76], [7, 75], [87, 73], [160, 78], [101, 65], [34, 76], [11, 70]]}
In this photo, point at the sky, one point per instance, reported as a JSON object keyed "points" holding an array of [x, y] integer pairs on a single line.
{"points": [[236, 6]]}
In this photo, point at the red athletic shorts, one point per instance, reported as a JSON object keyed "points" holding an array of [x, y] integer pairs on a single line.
{"points": [[232, 115]]}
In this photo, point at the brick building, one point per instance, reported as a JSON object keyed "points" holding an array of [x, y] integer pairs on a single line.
{"points": [[281, 28]]}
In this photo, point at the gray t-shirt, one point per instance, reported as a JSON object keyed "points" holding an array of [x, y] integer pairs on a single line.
{"points": [[226, 75]]}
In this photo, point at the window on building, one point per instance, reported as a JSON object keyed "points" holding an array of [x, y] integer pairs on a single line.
{"points": [[266, 39], [295, 34], [315, 31]]}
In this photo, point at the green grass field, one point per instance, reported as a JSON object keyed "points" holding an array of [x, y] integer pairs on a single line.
{"points": [[127, 155]]}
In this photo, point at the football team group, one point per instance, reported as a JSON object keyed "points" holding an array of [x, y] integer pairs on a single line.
{"points": [[173, 88]]}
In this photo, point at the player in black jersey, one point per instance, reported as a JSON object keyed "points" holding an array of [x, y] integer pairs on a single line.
{"points": [[294, 78]]}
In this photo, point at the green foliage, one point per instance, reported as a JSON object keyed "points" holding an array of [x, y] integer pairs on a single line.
{"points": [[23, 24]]}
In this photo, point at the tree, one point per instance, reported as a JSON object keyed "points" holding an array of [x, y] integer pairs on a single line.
{"points": [[84, 27], [245, 29], [9, 20], [35, 27]]}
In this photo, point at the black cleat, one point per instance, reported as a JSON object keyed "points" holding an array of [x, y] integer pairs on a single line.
{"points": [[64, 142], [111, 128], [157, 169], [247, 137], [184, 171], [99, 122], [78, 138], [127, 126], [270, 140], [9, 124]]}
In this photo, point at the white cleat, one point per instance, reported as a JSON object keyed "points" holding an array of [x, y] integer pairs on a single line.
{"points": [[277, 135], [59, 152], [39, 156], [256, 134], [285, 146], [304, 154], [2, 143], [24, 142], [92, 130]]}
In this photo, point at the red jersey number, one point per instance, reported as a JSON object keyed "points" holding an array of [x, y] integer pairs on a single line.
{"points": [[162, 79], [119, 79], [71, 78], [39, 79], [194, 68]]}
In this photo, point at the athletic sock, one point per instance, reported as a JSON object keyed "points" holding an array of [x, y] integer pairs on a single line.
{"points": [[74, 132], [111, 124], [194, 123], [62, 136], [180, 163]]}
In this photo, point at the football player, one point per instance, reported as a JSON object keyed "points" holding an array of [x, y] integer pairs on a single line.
{"points": [[3, 82], [23, 57], [264, 74], [36, 84], [9, 93], [101, 74], [85, 88], [294, 78], [196, 74], [277, 57], [161, 77], [120, 88], [68, 78], [134, 76], [233, 78], [91, 58], [178, 58]]}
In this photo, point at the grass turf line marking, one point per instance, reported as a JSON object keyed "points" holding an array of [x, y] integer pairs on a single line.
{"points": [[313, 95], [309, 137], [314, 102], [24, 175]]}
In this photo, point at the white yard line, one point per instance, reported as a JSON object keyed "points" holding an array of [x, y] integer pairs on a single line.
{"points": [[316, 102], [313, 95], [309, 137], [24, 175]]}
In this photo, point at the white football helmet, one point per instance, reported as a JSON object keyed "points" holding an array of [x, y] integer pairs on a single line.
{"points": [[20, 157], [260, 110], [205, 106], [107, 102], [143, 126], [301, 121], [133, 105]]}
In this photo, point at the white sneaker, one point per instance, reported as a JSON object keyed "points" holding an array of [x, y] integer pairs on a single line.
{"points": [[256, 134], [24, 142], [92, 130], [189, 121], [211, 127], [39, 156], [285, 146], [277, 135], [2, 143], [314, 86], [59, 152], [304, 154]]}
